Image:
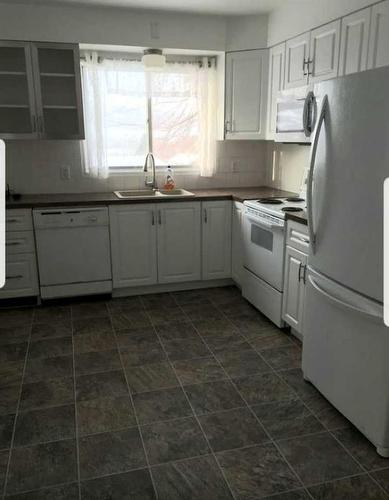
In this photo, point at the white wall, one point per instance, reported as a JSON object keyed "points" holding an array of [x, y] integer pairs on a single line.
{"points": [[117, 26], [286, 165], [34, 167], [297, 17], [246, 32]]}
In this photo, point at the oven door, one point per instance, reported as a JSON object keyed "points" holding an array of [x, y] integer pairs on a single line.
{"points": [[296, 113], [264, 250]]}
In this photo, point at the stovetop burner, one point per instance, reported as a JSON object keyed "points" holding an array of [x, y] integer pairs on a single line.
{"points": [[292, 209], [295, 199], [270, 201]]}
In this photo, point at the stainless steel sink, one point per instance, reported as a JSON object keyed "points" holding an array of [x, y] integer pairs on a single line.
{"points": [[149, 194]]}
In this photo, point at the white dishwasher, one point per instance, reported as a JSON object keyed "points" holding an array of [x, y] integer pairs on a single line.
{"points": [[73, 250]]}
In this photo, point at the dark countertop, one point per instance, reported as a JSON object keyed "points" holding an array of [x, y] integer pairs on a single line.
{"points": [[80, 199], [300, 217]]}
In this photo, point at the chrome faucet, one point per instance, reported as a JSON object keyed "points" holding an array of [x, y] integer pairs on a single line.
{"points": [[153, 183]]}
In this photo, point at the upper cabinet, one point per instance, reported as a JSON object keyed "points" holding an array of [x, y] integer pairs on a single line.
{"points": [[379, 36], [324, 52], [354, 42], [246, 87], [276, 83], [40, 91], [296, 61]]}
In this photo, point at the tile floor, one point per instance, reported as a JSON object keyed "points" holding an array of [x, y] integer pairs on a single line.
{"points": [[182, 396]]}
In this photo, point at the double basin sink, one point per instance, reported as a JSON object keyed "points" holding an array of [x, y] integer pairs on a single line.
{"points": [[145, 194]]}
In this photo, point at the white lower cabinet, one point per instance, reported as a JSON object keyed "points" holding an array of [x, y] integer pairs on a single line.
{"points": [[295, 276], [179, 242], [216, 239], [133, 245], [237, 246]]}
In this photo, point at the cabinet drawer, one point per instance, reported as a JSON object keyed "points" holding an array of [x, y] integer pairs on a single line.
{"points": [[297, 236], [18, 220], [19, 242], [21, 277]]}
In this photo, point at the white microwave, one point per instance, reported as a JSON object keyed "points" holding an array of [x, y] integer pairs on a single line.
{"points": [[296, 115]]}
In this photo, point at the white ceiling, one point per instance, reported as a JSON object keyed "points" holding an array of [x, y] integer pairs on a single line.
{"points": [[221, 7]]}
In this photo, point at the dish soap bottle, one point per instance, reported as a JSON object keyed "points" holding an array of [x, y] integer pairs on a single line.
{"points": [[169, 181]]}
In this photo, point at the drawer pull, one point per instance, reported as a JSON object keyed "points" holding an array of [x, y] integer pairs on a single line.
{"points": [[12, 243], [12, 220], [15, 277]]}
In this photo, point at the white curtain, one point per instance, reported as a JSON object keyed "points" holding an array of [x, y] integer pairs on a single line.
{"points": [[208, 112]]}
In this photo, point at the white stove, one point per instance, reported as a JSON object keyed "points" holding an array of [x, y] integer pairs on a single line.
{"points": [[264, 221]]}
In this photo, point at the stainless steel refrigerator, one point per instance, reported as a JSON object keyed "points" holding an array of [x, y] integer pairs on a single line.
{"points": [[346, 344]]}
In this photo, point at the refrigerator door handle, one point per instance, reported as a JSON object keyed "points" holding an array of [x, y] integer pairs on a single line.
{"points": [[361, 306], [320, 121]]}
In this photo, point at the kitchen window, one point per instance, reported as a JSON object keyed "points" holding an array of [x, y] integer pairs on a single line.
{"points": [[129, 111]]}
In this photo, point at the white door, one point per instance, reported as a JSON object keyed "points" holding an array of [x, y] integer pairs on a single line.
{"points": [[379, 36], [179, 242], [324, 52], [276, 84], [296, 59], [237, 243], [294, 288], [246, 86], [133, 245], [216, 239], [354, 42]]}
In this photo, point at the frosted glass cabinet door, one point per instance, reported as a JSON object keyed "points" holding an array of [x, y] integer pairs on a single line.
{"points": [[18, 118], [296, 58], [354, 42], [324, 52], [246, 87], [276, 84], [379, 36]]}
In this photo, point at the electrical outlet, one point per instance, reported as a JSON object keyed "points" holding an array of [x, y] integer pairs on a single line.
{"points": [[239, 165], [64, 172]]}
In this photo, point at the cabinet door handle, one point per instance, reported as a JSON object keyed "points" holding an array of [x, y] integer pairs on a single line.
{"points": [[12, 220], [227, 127], [152, 218], [305, 275], [12, 243], [309, 62], [34, 124], [15, 277], [159, 218], [300, 266], [205, 216], [305, 62]]}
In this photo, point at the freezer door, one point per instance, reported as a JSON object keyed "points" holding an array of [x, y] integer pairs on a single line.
{"points": [[347, 173], [345, 355]]}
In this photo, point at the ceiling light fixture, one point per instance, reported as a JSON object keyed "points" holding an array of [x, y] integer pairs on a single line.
{"points": [[153, 58]]}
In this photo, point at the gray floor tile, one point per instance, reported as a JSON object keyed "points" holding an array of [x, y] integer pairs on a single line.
{"points": [[11, 373], [213, 396], [101, 385], [165, 315], [173, 440], [141, 352], [231, 341], [47, 314], [130, 336], [95, 362], [219, 327], [195, 478], [125, 304], [186, 349], [197, 371], [242, 363], [110, 453], [3, 467], [364, 451], [382, 477], [353, 488], [176, 330], [89, 310], [52, 329], [50, 348], [263, 388], [155, 300], [6, 429], [221, 296], [16, 317], [63, 492], [52, 424], [325, 412], [270, 339], [94, 342], [9, 396], [48, 393], [151, 377], [103, 415], [191, 296], [135, 485], [327, 459], [290, 495], [284, 357], [161, 405], [232, 429], [257, 471], [42, 465], [284, 419], [239, 308], [196, 312], [294, 378], [132, 319], [92, 325], [48, 368], [250, 325], [14, 334], [13, 352]]}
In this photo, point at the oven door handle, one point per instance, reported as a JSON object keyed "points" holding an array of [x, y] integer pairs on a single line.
{"points": [[264, 225]]}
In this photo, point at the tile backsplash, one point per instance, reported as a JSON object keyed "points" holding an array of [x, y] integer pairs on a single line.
{"points": [[37, 167]]}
